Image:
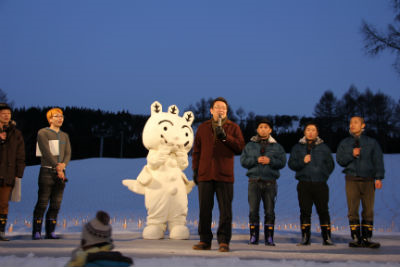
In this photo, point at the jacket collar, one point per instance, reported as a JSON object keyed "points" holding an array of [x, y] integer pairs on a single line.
{"points": [[318, 141], [257, 139]]}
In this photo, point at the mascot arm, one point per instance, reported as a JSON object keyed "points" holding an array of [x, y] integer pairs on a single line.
{"points": [[189, 184]]}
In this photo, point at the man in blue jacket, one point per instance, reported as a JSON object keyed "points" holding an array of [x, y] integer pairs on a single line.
{"points": [[362, 159], [313, 163], [263, 157]]}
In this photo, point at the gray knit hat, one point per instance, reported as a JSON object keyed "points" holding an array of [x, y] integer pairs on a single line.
{"points": [[97, 230]]}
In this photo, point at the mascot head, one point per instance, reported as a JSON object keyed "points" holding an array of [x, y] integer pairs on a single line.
{"points": [[168, 128]]}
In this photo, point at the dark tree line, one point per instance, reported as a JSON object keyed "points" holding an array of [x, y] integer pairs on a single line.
{"points": [[96, 133]]}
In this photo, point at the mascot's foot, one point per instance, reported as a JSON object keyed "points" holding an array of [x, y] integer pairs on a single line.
{"points": [[179, 232], [153, 232]]}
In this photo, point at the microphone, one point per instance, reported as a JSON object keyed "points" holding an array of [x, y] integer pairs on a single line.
{"points": [[219, 120]]}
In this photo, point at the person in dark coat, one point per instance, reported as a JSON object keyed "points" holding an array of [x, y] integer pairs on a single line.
{"points": [[216, 143], [12, 162], [312, 161], [263, 157], [362, 159]]}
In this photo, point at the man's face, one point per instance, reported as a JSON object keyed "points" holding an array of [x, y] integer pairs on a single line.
{"points": [[5, 116], [311, 132], [57, 120], [264, 130], [219, 109], [356, 125]]}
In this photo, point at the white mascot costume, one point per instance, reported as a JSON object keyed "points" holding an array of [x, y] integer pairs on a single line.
{"points": [[169, 138]]}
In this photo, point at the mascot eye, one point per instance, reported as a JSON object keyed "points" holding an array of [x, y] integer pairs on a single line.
{"points": [[187, 134], [165, 128]]}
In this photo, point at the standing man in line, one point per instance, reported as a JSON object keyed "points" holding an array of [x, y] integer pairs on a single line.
{"points": [[216, 143], [362, 159], [263, 157], [55, 151], [12, 162]]}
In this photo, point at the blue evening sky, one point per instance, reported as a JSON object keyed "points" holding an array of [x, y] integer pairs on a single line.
{"points": [[266, 56]]}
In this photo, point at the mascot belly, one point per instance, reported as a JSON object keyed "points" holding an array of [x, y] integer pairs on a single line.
{"points": [[169, 138]]}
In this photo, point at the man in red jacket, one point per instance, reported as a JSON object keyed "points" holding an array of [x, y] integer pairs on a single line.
{"points": [[216, 143]]}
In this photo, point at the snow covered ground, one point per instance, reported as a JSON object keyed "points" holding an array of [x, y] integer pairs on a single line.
{"points": [[95, 184]]}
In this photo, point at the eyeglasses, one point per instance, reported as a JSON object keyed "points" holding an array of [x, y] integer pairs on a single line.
{"points": [[220, 107], [58, 116]]}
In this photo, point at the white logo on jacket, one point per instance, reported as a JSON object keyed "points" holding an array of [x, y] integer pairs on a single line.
{"points": [[169, 138]]}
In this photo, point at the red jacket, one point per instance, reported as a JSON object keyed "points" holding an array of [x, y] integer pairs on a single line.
{"points": [[214, 158]]}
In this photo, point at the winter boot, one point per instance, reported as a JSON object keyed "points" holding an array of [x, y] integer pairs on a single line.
{"points": [[50, 229], [305, 235], [37, 229], [366, 234], [254, 233], [326, 235], [3, 222], [269, 234], [355, 232]]}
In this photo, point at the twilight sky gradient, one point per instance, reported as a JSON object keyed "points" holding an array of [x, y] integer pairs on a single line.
{"points": [[269, 57]]}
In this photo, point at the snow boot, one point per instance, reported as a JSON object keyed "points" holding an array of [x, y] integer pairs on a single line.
{"points": [[305, 235], [366, 234], [50, 229], [3, 222], [254, 233], [355, 232], [326, 235], [37, 228], [269, 234]]}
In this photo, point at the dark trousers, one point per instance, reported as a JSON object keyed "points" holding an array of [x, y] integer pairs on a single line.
{"points": [[310, 193], [364, 192], [5, 192], [224, 193], [51, 189], [266, 191]]}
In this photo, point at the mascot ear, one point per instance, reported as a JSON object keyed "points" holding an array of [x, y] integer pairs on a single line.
{"points": [[156, 107], [173, 110], [189, 117]]}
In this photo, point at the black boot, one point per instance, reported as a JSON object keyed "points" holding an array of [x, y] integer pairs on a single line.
{"points": [[37, 228], [254, 233], [3, 222], [366, 235], [50, 229], [305, 235], [269, 234], [326, 235], [355, 232]]}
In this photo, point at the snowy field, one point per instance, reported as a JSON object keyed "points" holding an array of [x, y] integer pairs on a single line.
{"points": [[95, 184]]}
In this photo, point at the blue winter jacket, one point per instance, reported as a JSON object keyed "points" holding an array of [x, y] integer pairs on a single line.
{"points": [[320, 166], [370, 162], [251, 153]]}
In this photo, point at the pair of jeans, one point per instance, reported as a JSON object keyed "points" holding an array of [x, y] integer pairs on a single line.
{"points": [[51, 189], [262, 190], [224, 193], [310, 193]]}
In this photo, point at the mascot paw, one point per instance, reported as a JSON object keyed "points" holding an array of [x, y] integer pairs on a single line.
{"points": [[189, 186], [134, 186], [153, 232], [179, 232]]}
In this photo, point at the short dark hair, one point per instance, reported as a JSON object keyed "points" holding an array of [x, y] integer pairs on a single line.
{"points": [[219, 99]]}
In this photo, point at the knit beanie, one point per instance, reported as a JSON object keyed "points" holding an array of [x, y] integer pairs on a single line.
{"points": [[97, 231], [4, 106], [266, 121]]}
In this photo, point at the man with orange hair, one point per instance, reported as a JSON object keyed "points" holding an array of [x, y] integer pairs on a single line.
{"points": [[54, 148]]}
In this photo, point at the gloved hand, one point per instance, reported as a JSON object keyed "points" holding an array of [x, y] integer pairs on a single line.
{"points": [[220, 133], [195, 173]]}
